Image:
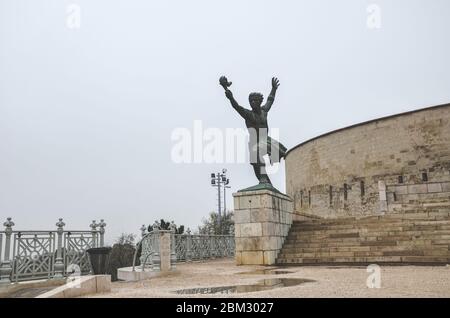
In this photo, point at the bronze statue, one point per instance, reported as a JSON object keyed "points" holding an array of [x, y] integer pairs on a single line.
{"points": [[260, 143]]}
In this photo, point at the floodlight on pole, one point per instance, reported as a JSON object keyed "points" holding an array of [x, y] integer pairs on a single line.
{"points": [[220, 180]]}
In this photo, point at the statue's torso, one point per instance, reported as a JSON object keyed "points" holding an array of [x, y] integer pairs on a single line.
{"points": [[255, 120]]}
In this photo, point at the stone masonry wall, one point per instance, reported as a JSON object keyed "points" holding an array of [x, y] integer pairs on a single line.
{"points": [[404, 158], [262, 220]]}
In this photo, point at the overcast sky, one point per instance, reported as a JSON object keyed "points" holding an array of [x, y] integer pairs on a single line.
{"points": [[86, 114]]}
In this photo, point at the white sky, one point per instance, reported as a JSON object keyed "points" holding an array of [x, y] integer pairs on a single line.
{"points": [[86, 115]]}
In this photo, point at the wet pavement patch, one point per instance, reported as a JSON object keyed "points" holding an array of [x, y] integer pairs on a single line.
{"points": [[271, 271], [265, 284]]}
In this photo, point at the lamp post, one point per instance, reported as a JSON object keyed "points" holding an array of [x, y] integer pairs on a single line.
{"points": [[225, 187], [220, 180]]}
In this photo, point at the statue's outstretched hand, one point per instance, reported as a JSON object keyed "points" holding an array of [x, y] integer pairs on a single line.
{"points": [[275, 83], [224, 82]]}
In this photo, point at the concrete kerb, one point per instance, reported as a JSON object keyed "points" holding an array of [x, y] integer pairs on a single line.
{"points": [[81, 286]]}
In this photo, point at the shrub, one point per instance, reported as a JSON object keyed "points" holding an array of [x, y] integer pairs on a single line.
{"points": [[122, 254]]}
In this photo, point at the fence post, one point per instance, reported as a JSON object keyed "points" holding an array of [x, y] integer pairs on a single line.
{"points": [[5, 266], [155, 240], [93, 227], [59, 264], [173, 254], [102, 225], [188, 245], [212, 251]]}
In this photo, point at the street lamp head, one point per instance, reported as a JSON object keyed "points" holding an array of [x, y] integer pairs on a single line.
{"points": [[224, 170]]}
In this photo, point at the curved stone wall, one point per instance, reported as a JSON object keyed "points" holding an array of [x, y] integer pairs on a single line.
{"points": [[399, 163]]}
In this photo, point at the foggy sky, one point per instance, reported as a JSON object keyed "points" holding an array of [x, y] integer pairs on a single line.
{"points": [[86, 115]]}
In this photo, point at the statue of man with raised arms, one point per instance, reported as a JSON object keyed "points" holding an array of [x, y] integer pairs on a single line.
{"points": [[260, 144]]}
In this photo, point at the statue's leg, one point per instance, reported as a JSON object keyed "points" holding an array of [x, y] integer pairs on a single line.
{"points": [[265, 179], [260, 174], [275, 148], [256, 169], [257, 159]]}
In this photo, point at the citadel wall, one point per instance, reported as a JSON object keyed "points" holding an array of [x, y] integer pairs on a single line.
{"points": [[392, 164]]}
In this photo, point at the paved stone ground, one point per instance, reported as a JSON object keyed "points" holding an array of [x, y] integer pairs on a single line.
{"points": [[29, 292], [396, 281]]}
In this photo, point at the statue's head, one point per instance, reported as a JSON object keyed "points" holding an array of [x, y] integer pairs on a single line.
{"points": [[255, 100]]}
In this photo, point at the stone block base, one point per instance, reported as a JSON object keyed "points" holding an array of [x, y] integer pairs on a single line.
{"points": [[262, 220]]}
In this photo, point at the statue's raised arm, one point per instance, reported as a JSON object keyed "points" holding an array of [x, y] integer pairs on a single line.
{"points": [[225, 84], [271, 98]]}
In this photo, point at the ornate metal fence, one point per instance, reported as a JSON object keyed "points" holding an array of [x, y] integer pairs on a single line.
{"points": [[29, 255], [150, 250], [199, 247], [183, 247]]}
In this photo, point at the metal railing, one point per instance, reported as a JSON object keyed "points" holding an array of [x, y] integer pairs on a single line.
{"points": [[149, 245], [30, 255], [183, 247], [200, 246]]}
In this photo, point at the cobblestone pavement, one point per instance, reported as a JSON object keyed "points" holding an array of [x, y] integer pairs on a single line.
{"points": [[329, 281]]}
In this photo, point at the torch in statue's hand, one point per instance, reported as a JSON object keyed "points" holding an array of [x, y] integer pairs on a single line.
{"points": [[224, 82]]}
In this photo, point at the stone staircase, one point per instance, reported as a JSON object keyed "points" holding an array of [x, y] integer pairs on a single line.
{"points": [[421, 236]]}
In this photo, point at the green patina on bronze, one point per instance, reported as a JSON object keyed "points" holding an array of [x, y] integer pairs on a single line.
{"points": [[262, 186]]}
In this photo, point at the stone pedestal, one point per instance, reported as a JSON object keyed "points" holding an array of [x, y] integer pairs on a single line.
{"points": [[262, 221], [5, 272]]}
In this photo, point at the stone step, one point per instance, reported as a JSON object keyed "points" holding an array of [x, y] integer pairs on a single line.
{"points": [[370, 241], [357, 237], [405, 234], [419, 236], [445, 254], [408, 209], [373, 247], [297, 250], [365, 260], [445, 224], [369, 221], [408, 230], [367, 249], [381, 242]]}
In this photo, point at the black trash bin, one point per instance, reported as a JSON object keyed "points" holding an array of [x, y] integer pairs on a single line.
{"points": [[99, 259]]}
